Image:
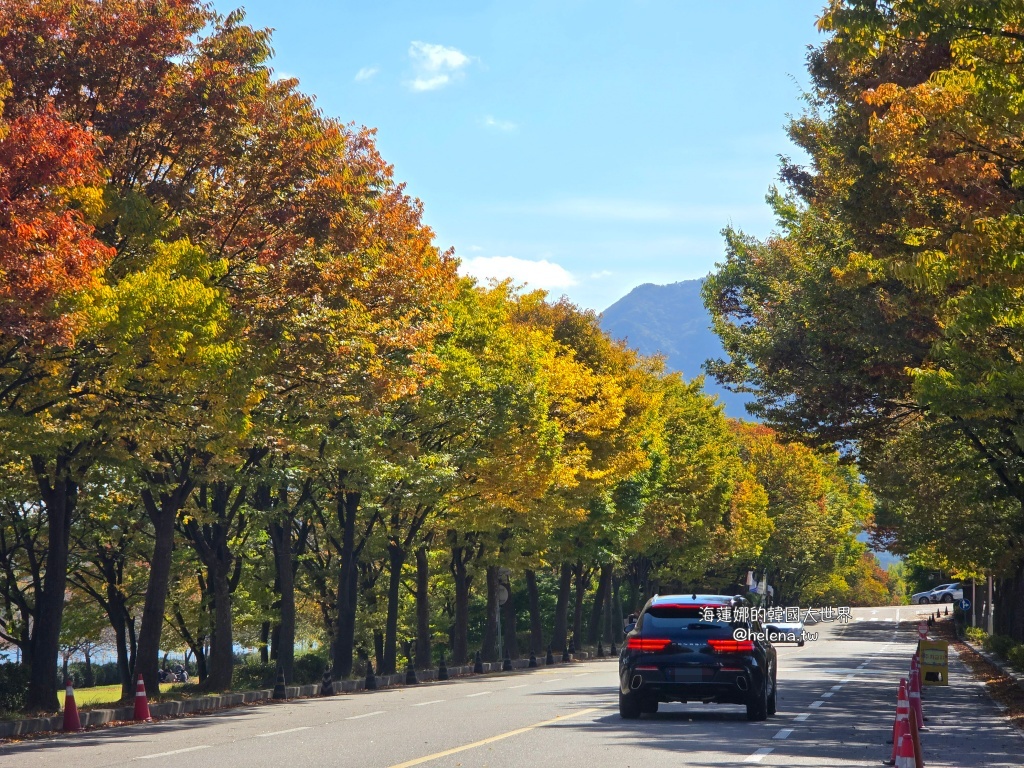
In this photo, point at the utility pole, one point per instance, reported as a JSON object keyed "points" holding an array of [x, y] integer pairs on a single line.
{"points": [[991, 604]]}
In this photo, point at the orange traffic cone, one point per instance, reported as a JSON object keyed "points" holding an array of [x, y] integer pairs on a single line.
{"points": [[901, 727], [141, 703], [914, 694], [906, 757], [71, 720]]}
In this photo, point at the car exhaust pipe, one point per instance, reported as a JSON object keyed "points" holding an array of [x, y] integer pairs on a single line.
{"points": [[742, 684], [636, 682]]}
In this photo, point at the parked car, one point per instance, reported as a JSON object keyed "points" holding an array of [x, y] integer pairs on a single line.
{"points": [[948, 593], [944, 593], [924, 598]]}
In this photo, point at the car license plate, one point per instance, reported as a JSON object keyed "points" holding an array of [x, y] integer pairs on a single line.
{"points": [[688, 674]]}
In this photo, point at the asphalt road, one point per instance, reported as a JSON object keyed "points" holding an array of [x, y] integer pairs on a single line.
{"points": [[837, 698]]}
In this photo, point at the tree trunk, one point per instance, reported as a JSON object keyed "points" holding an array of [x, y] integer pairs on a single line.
{"points": [[117, 615], [577, 614], [281, 539], [210, 533], [133, 643], [60, 497], [90, 678], [489, 645], [600, 598], [536, 626], [559, 638], [222, 658], [424, 659], [508, 626], [1015, 605], [613, 623], [195, 644], [348, 589], [378, 647], [162, 515], [275, 641], [265, 642], [460, 633], [396, 560]]}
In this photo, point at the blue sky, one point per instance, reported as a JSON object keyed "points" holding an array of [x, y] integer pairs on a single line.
{"points": [[584, 147]]}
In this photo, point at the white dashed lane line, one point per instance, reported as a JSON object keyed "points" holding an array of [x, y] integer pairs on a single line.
{"points": [[290, 730], [816, 704], [367, 714], [173, 752], [837, 687], [827, 695], [758, 756], [783, 734], [425, 703], [801, 717], [482, 693]]}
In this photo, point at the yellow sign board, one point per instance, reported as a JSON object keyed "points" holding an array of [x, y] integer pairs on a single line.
{"points": [[934, 662]]}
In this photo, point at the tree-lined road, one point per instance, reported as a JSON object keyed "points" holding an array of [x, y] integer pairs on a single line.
{"points": [[837, 697]]}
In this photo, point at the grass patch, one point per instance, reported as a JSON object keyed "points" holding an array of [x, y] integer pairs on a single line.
{"points": [[104, 694]]}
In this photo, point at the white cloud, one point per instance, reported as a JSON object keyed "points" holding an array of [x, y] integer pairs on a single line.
{"points": [[501, 125], [536, 274], [430, 83], [365, 73], [435, 65], [602, 273]]}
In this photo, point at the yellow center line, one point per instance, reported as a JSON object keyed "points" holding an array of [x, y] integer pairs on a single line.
{"points": [[491, 740]]}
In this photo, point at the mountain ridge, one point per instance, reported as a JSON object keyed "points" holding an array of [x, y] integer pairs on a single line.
{"points": [[671, 320]]}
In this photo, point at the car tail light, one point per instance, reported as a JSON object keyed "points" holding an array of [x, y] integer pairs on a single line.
{"points": [[731, 646], [647, 643]]}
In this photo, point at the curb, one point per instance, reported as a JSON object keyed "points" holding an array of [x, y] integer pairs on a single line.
{"points": [[1001, 665], [179, 707]]}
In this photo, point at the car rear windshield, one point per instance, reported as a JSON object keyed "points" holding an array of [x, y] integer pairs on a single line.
{"points": [[676, 617]]}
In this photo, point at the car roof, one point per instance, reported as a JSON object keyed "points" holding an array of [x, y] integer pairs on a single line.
{"points": [[693, 599]]}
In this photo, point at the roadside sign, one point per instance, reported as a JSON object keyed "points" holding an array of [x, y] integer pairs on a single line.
{"points": [[934, 662], [922, 629], [965, 604]]}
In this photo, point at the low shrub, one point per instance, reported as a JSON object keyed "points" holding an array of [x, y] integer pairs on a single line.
{"points": [[309, 668], [255, 675], [1016, 657], [976, 634], [13, 686], [1000, 645], [102, 674]]}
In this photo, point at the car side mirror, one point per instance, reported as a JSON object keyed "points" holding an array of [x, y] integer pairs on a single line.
{"points": [[629, 627]]}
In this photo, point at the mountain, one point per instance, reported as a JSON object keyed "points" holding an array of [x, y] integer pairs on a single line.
{"points": [[671, 320]]}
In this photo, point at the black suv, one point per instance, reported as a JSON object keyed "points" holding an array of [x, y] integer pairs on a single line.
{"points": [[680, 649]]}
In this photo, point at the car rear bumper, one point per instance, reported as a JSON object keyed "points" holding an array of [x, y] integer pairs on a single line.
{"points": [[719, 685]]}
